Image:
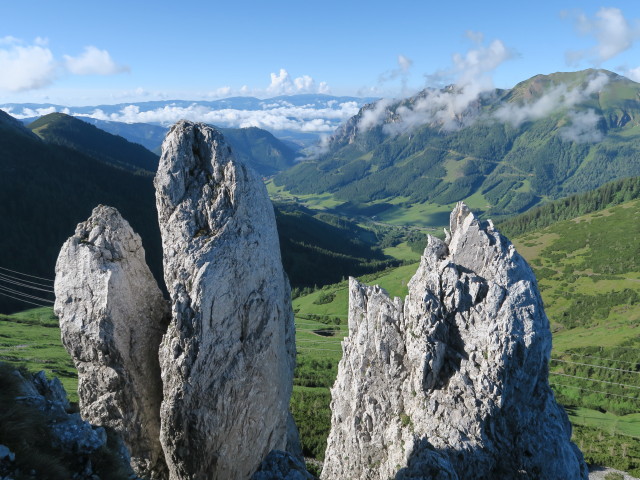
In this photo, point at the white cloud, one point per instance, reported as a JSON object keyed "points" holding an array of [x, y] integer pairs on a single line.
{"points": [[583, 127], [450, 108], [220, 92], [478, 62], [33, 66], [304, 83], [93, 61], [556, 98], [283, 84], [324, 88], [404, 63], [633, 74], [36, 112], [25, 67], [9, 40], [375, 114], [475, 37], [275, 116], [402, 72], [611, 30]]}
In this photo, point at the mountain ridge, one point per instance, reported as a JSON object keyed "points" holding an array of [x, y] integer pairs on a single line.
{"points": [[498, 151], [68, 131]]}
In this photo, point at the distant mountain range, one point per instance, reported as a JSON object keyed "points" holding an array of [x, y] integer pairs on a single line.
{"points": [[297, 118], [502, 151]]}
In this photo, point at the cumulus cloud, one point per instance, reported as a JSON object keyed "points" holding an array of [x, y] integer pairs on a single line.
{"points": [[93, 61], [612, 32], [583, 127], [274, 117], [33, 66], [25, 67], [453, 107], [324, 88], [556, 98], [283, 84]]}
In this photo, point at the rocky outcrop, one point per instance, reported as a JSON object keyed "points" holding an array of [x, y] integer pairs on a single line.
{"points": [[227, 358], [281, 465], [44, 437], [452, 383], [112, 317]]}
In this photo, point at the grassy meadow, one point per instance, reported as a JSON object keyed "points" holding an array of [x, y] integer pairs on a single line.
{"points": [[588, 271]]}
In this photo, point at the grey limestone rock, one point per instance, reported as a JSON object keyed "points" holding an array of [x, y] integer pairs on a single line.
{"points": [[281, 465], [112, 317], [227, 358], [452, 383]]}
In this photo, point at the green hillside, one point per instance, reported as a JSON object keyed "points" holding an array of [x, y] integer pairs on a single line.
{"points": [[320, 249], [589, 276], [588, 272], [48, 188], [265, 153], [507, 153], [68, 131], [609, 195], [258, 148]]}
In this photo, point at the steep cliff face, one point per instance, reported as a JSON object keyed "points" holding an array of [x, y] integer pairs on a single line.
{"points": [[228, 356], [112, 317], [452, 383]]}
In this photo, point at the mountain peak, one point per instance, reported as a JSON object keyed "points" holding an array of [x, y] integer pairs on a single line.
{"points": [[62, 129]]}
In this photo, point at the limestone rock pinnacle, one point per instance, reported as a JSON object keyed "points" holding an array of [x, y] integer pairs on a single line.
{"points": [[228, 356], [112, 318], [452, 383]]}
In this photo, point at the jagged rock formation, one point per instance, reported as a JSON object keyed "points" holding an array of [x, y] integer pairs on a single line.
{"points": [[452, 383], [228, 356], [112, 317], [43, 437]]}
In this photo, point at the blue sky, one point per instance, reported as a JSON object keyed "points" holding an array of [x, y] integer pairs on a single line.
{"points": [[84, 53]]}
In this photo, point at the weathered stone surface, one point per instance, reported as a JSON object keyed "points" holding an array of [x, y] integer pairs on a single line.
{"points": [[281, 465], [112, 317], [452, 382], [228, 356]]}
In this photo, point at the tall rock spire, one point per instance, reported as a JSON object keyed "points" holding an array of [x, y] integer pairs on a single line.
{"points": [[452, 383], [228, 356], [112, 317]]}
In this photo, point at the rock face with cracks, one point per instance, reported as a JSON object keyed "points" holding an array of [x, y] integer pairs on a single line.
{"points": [[112, 317], [452, 383], [227, 358]]}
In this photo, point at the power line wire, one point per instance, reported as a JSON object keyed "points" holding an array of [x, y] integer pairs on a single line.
{"points": [[4, 275], [315, 325], [16, 292], [23, 300], [12, 282], [594, 366], [594, 391], [317, 342], [594, 380], [598, 358], [26, 274], [321, 349]]}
